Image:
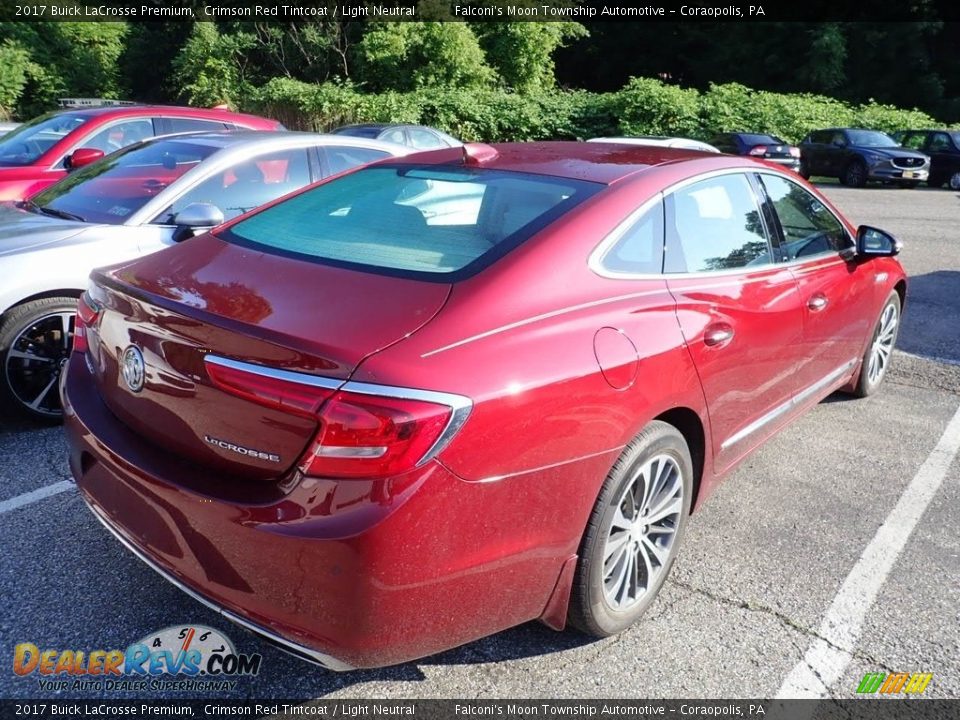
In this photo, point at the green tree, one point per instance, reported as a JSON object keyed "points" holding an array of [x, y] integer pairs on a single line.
{"points": [[522, 52], [14, 66], [409, 55], [211, 68]]}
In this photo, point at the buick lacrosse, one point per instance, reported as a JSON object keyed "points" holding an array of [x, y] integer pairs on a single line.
{"points": [[446, 394]]}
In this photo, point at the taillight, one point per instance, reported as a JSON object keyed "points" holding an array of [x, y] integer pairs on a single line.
{"points": [[87, 312], [278, 389], [795, 152], [758, 150], [372, 436], [365, 431]]}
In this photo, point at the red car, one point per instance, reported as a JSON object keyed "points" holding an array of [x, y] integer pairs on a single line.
{"points": [[446, 394], [38, 153]]}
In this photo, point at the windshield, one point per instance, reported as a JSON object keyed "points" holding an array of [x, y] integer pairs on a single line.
{"points": [[25, 144], [871, 138], [111, 190], [428, 222]]}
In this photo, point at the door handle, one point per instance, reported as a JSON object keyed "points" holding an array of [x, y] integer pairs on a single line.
{"points": [[817, 303], [718, 335]]}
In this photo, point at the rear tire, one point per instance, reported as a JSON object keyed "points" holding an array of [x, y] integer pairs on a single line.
{"points": [[35, 342], [855, 174], [876, 360], [954, 181], [634, 531], [804, 171]]}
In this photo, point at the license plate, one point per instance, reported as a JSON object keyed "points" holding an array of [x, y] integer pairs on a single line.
{"points": [[910, 174]]}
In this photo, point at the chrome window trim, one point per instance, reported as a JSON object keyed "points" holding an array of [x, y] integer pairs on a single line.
{"points": [[327, 661], [595, 261], [789, 404], [851, 242], [460, 405]]}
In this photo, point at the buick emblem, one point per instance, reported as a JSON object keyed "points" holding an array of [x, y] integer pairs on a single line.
{"points": [[132, 368]]}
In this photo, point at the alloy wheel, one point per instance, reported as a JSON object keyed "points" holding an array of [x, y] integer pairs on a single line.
{"points": [[882, 346], [641, 535], [35, 360], [954, 181]]}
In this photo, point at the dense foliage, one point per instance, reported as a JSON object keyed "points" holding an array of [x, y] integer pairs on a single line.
{"points": [[501, 80], [643, 106]]}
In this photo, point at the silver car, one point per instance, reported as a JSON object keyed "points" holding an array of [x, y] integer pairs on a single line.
{"points": [[133, 202]]}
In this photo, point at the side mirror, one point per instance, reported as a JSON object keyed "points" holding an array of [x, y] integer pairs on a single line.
{"points": [[872, 242], [195, 218], [80, 157]]}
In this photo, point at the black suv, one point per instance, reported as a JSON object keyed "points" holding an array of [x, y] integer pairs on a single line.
{"points": [[759, 145], [943, 147], [855, 156]]}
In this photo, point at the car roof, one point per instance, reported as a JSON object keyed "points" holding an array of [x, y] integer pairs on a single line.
{"points": [[249, 140], [600, 162], [161, 110]]}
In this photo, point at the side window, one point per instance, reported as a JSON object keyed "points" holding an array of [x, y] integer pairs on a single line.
{"points": [[394, 135], [424, 140], [809, 228], [119, 135], [821, 137], [182, 125], [336, 159], [247, 185], [714, 225], [939, 143], [914, 141], [639, 249]]}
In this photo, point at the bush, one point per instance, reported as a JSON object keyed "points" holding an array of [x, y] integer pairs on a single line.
{"points": [[643, 107]]}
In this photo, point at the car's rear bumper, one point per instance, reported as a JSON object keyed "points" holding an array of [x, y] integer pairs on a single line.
{"points": [[349, 573]]}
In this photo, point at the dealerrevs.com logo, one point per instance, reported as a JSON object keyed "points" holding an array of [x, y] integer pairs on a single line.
{"points": [[188, 658]]}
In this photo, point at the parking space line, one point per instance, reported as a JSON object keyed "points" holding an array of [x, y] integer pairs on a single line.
{"points": [[35, 496], [828, 655]]}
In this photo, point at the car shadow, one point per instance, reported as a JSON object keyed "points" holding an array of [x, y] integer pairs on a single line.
{"points": [[931, 318]]}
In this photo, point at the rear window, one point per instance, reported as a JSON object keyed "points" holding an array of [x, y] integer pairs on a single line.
{"points": [[429, 222], [754, 139]]}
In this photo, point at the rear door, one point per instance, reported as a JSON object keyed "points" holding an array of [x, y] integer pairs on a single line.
{"points": [[836, 293], [739, 310]]}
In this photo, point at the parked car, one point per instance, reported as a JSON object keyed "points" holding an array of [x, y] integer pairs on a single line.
{"points": [[41, 152], [136, 201], [766, 147], [415, 136], [856, 156], [659, 141], [386, 437], [943, 147]]}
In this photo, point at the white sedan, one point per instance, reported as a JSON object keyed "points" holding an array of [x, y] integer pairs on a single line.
{"points": [[136, 201], [659, 141]]}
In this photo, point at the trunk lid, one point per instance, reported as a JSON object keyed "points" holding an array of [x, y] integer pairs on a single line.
{"points": [[207, 297]]}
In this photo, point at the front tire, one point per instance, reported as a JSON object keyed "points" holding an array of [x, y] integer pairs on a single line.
{"points": [[855, 175], [876, 360], [954, 181], [35, 342], [633, 533]]}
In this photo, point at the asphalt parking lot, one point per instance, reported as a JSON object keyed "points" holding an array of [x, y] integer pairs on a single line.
{"points": [[784, 581]]}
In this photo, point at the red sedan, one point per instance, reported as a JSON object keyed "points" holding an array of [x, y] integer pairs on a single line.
{"points": [[41, 152], [443, 395]]}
